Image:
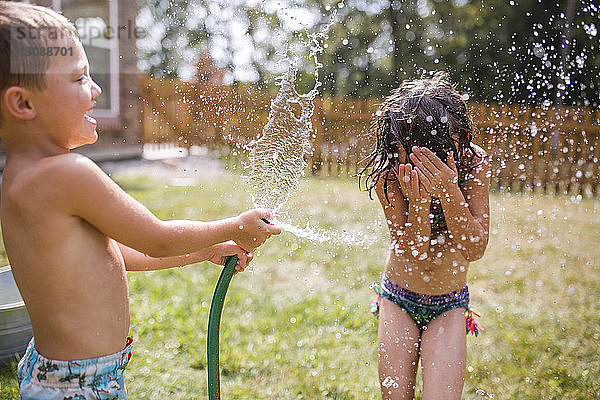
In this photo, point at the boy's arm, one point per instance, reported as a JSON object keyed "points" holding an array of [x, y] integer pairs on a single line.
{"points": [[91, 195], [408, 221], [136, 261]]}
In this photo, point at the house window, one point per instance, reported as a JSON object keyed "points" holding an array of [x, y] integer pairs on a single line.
{"points": [[97, 24]]}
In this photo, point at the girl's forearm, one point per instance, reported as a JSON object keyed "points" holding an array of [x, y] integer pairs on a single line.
{"points": [[413, 240], [466, 231]]}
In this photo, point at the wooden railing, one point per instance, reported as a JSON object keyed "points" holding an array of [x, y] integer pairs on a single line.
{"points": [[556, 150]]}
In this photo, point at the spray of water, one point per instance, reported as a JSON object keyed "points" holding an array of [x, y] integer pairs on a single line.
{"points": [[276, 158], [364, 239]]}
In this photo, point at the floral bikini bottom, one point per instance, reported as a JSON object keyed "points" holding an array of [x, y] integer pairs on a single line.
{"points": [[424, 308]]}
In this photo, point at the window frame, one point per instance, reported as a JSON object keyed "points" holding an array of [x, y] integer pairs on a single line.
{"points": [[113, 23]]}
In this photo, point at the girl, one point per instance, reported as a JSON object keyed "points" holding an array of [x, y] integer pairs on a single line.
{"points": [[432, 183]]}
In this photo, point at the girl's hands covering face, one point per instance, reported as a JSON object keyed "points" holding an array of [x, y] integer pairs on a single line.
{"points": [[411, 185], [437, 177]]}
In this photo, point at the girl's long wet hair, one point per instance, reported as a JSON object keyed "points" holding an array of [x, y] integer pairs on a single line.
{"points": [[427, 112]]}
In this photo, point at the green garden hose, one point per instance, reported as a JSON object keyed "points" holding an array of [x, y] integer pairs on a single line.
{"points": [[214, 320]]}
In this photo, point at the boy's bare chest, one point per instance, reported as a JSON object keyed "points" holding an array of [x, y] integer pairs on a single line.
{"points": [[42, 239]]}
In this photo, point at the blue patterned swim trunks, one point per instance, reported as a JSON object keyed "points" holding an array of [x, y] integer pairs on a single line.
{"points": [[100, 378]]}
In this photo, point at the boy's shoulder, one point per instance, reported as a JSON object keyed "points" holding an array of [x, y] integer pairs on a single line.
{"points": [[53, 172], [57, 166]]}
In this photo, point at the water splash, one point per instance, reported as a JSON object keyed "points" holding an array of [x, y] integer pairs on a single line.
{"points": [[276, 158], [311, 233], [365, 238]]}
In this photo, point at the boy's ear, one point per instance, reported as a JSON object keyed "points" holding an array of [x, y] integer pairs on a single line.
{"points": [[17, 102]]}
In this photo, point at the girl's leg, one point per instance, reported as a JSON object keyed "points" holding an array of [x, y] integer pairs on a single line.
{"points": [[443, 356], [398, 352]]}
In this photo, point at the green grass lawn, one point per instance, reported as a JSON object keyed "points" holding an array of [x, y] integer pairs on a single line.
{"points": [[297, 325]]}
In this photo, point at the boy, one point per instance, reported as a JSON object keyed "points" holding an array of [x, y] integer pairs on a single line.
{"points": [[69, 231]]}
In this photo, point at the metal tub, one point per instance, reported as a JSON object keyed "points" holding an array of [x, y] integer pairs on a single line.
{"points": [[15, 326]]}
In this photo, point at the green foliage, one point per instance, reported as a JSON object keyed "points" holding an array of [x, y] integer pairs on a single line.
{"points": [[165, 59], [497, 51], [526, 51]]}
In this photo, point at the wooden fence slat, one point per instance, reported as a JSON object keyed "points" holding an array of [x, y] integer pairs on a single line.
{"points": [[317, 160]]}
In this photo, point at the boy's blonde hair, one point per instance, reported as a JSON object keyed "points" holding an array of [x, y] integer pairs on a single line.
{"points": [[26, 26]]}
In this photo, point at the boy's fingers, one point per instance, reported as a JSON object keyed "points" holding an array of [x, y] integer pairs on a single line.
{"points": [[265, 215], [416, 155], [402, 185], [403, 188], [273, 229], [243, 259], [239, 252], [240, 268], [410, 184], [408, 174]]}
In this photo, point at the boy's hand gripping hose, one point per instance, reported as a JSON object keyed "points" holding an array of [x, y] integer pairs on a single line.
{"points": [[214, 319]]}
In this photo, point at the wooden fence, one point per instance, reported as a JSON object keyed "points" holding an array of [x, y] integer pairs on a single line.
{"points": [[556, 150]]}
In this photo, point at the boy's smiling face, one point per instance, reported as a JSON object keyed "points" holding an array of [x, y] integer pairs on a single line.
{"points": [[63, 107]]}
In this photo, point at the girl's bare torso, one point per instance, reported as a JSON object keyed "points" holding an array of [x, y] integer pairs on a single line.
{"points": [[443, 270]]}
